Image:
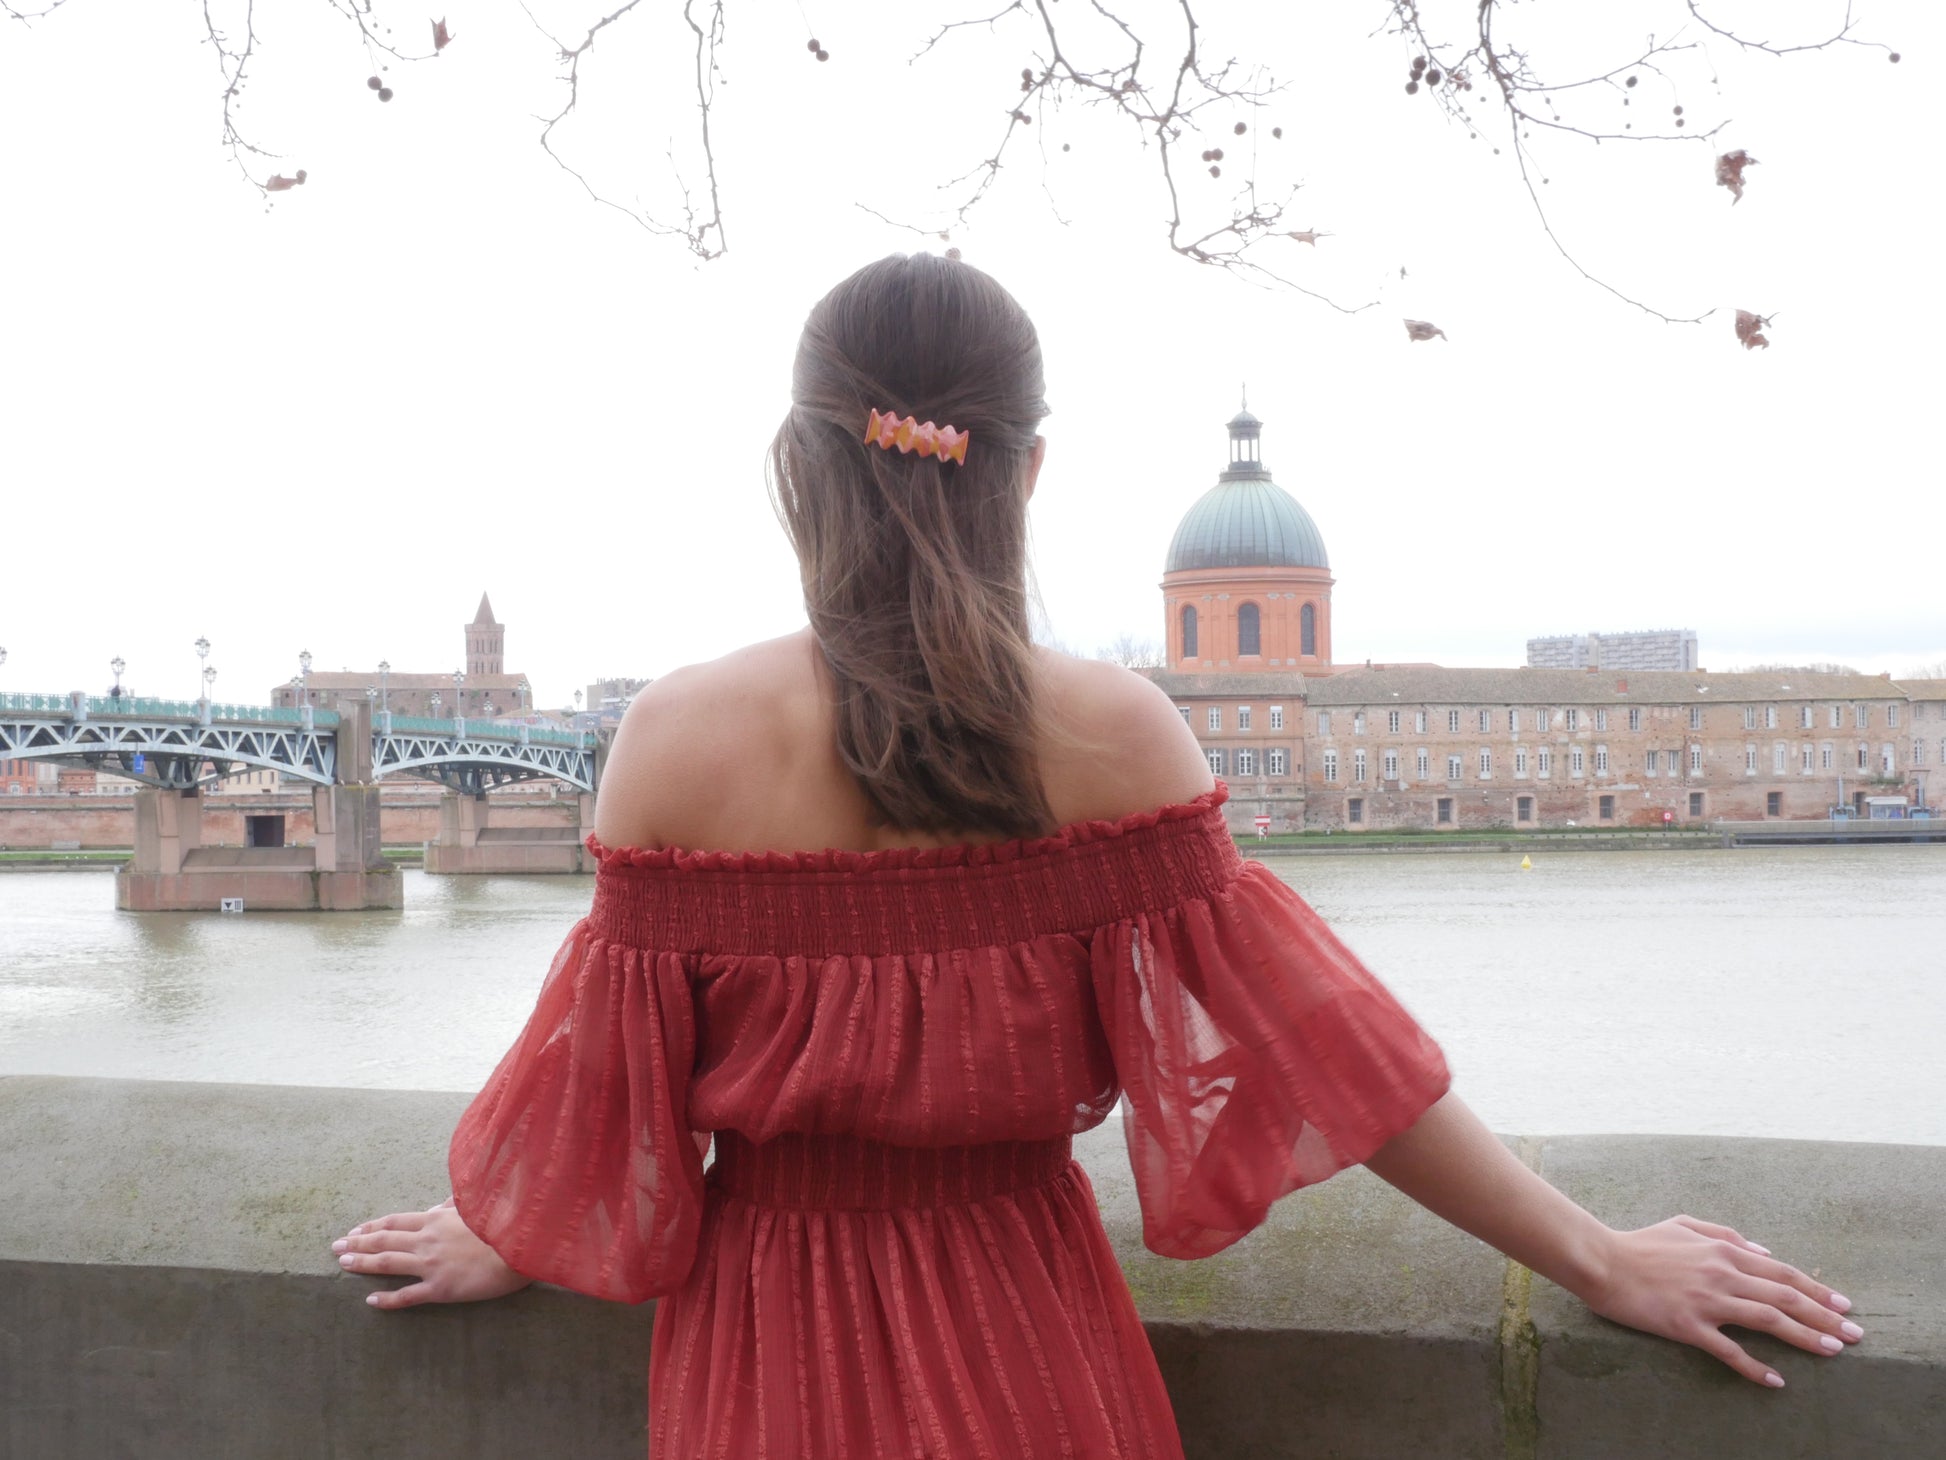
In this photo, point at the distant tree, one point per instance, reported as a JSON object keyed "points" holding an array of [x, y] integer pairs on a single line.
{"points": [[1935, 670], [1491, 69], [1797, 669], [1132, 653]]}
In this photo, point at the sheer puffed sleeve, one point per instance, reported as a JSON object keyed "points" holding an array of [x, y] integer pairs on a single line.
{"points": [[1257, 1054], [576, 1162]]}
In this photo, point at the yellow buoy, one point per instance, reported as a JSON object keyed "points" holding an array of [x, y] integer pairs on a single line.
{"points": [[1526, 864]]}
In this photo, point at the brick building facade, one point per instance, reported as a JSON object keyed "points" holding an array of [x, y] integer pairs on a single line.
{"points": [[487, 688], [1311, 744]]}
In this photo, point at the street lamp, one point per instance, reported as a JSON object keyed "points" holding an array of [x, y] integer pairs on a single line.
{"points": [[304, 673], [384, 684], [525, 691], [202, 650], [209, 681], [118, 665], [459, 695]]}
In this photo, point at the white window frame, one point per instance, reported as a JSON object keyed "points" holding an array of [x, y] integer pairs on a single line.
{"points": [[1277, 717], [1213, 717], [1391, 763], [1243, 717], [1215, 759], [1455, 767], [1423, 763], [1359, 766], [1331, 767], [1635, 717], [1601, 760], [1279, 761], [1392, 722], [1246, 761], [1452, 722], [1486, 764]]}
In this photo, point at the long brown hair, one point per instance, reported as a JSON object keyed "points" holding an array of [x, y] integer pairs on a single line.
{"points": [[914, 570]]}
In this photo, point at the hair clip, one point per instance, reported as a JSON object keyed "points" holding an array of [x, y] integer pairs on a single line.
{"points": [[904, 432]]}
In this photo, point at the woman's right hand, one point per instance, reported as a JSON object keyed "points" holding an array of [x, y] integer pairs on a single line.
{"points": [[1684, 1279], [437, 1247]]}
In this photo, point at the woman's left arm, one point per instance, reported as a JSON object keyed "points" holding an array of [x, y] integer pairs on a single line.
{"points": [[1681, 1279]]}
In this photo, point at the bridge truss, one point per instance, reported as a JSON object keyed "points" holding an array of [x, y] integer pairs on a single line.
{"points": [[475, 763], [167, 752]]}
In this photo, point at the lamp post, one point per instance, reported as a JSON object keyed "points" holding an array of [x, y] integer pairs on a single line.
{"points": [[118, 665], [435, 704], [384, 685], [209, 688], [459, 701], [525, 690], [304, 673], [202, 652]]}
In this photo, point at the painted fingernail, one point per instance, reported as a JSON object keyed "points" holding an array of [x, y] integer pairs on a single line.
{"points": [[1841, 1302], [340, 1245], [1851, 1330], [1831, 1345], [372, 1300], [346, 1260], [1774, 1380]]}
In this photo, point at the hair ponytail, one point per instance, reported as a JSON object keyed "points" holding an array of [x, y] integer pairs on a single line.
{"points": [[915, 570]]}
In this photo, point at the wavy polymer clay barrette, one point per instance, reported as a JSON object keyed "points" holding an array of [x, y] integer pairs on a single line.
{"points": [[908, 434]]}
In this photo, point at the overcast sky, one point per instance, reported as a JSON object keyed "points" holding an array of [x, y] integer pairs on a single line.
{"points": [[438, 368]]}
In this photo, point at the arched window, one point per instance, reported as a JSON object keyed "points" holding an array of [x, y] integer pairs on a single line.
{"points": [[1308, 630], [1189, 631], [1249, 630]]}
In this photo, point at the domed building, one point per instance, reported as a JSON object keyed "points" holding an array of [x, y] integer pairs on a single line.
{"points": [[1247, 583]]}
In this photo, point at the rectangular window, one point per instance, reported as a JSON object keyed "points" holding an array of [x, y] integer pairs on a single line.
{"points": [[1215, 759], [1601, 760], [1331, 765], [1486, 722], [1864, 758], [1355, 810], [1523, 808], [1891, 717], [1649, 759], [1773, 803], [1246, 762], [1601, 719], [1513, 722], [1695, 760], [1695, 804], [1540, 721], [1277, 717], [1324, 722], [1419, 723], [1572, 718], [1837, 716], [1391, 765], [1804, 717], [1825, 756], [1452, 722], [1486, 764], [1805, 760], [1185, 713], [1606, 808], [1777, 759], [1634, 717], [1423, 764], [1575, 762], [1243, 717], [1280, 762], [1750, 760], [1543, 763], [1750, 717], [1392, 722], [1770, 717], [1215, 717], [1455, 768], [1695, 717], [1445, 810], [1918, 752], [1862, 715], [1358, 766], [1888, 761], [1520, 763], [1358, 723]]}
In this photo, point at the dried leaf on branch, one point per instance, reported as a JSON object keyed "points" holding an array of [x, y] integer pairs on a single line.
{"points": [[1419, 329], [1749, 329], [441, 37], [1729, 173], [282, 184], [1309, 235]]}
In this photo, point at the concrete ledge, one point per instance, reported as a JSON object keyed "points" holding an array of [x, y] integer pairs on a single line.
{"points": [[166, 1290]]}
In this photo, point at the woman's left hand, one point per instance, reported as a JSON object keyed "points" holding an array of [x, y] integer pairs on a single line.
{"points": [[437, 1247]]}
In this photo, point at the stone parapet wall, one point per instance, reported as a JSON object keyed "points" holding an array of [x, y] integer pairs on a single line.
{"points": [[166, 1290], [36, 823]]}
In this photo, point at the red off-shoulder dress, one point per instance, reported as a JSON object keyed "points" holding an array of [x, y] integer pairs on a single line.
{"points": [[892, 1253]]}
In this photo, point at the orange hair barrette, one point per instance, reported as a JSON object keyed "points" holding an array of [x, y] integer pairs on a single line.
{"points": [[887, 431]]}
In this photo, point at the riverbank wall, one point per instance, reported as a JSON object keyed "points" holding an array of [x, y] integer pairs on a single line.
{"points": [[166, 1290]]}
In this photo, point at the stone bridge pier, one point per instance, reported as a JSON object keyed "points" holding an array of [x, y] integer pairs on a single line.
{"points": [[532, 835], [343, 870]]}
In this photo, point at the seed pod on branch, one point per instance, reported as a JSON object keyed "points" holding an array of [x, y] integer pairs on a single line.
{"points": [[1419, 329]]}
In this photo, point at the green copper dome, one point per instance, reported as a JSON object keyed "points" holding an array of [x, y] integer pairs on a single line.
{"points": [[1246, 520]]}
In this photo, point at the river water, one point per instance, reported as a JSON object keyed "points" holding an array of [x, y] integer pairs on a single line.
{"points": [[1789, 992]]}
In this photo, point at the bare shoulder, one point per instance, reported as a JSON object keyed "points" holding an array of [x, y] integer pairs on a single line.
{"points": [[693, 732], [1120, 744]]}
